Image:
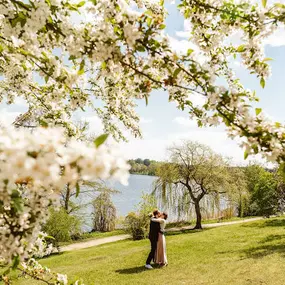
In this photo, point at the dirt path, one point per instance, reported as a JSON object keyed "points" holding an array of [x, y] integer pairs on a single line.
{"points": [[94, 242]]}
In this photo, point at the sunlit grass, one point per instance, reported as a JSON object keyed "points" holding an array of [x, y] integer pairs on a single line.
{"points": [[252, 253]]}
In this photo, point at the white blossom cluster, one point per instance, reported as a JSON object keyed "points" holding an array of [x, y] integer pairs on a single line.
{"points": [[32, 268], [42, 163], [42, 247]]}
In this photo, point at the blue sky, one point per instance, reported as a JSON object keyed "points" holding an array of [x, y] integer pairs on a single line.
{"points": [[163, 124]]}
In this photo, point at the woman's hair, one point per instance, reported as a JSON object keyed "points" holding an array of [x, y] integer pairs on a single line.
{"points": [[155, 212], [165, 215]]}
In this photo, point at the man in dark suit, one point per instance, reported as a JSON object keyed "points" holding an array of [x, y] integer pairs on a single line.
{"points": [[153, 237]]}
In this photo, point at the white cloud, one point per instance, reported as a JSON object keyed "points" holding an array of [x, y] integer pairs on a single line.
{"points": [[277, 38], [183, 121], [187, 27], [95, 124], [8, 117], [181, 46], [156, 148], [145, 120]]}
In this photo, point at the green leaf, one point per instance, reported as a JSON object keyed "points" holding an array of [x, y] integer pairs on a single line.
{"points": [[245, 155], [80, 4], [176, 72], [241, 48], [149, 21], [162, 26], [268, 59], [255, 148], [141, 48], [279, 5], [189, 51], [104, 65], [81, 67], [77, 189], [146, 100], [262, 82], [258, 111], [264, 2], [16, 262], [100, 140], [49, 237]]}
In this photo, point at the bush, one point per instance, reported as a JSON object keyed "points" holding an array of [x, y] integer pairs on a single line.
{"points": [[137, 224], [62, 226]]}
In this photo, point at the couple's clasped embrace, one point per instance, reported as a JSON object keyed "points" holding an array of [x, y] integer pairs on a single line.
{"points": [[157, 240]]}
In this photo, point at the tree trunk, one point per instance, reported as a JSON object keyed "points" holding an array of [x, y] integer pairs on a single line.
{"points": [[67, 198], [198, 225]]}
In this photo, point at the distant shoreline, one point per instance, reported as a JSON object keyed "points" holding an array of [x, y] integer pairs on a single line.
{"points": [[142, 174]]}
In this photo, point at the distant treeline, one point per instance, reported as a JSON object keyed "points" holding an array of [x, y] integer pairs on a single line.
{"points": [[144, 166]]}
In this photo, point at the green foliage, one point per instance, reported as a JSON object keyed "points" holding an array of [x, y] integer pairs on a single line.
{"points": [[104, 216], [137, 223], [144, 166], [62, 226], [135, 226], [238, 190], [263, 190]]}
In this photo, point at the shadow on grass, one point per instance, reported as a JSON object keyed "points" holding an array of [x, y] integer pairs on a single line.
{"points": [[271, 238], [132, 270], [269, 223], [264, 250], [186, 231]]}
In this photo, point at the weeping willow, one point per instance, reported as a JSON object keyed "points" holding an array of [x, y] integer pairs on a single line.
{"points": [[175, 200]]}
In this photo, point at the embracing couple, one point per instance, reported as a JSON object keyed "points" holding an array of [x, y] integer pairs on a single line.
{"points": [[157, 240]]}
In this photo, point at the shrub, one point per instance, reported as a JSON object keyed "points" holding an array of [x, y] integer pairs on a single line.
{"points": [[137, 223], [62, 226], [135, 226]]}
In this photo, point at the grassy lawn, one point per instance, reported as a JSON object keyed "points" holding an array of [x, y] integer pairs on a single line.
{"points": [[210, 221], [233, 219], [92, 236], [245, 254]]}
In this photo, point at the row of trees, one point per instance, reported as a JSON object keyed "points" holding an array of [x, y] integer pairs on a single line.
{"points": [[144, 166], [193, 172]]}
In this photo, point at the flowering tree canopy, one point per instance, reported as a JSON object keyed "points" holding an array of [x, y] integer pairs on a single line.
{"points": [[61, 56]]}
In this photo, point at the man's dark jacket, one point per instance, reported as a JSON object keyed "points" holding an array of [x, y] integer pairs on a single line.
{"points": [[154, 229]]}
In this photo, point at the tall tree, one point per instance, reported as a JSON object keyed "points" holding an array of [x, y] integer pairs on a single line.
{"points": [[265, 190], [104, 216], [238, 192], [197, 171]]}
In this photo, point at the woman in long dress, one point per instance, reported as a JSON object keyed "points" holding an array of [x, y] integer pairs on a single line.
{"points": [[160, 255]]}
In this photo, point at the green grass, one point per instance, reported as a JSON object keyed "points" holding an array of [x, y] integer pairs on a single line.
{"points": [[244, 254], [210, 221], [232, 219], [94, 235]]}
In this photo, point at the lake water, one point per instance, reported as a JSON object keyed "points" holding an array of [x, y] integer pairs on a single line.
{"points": [[125, 201], [130, 196]]}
